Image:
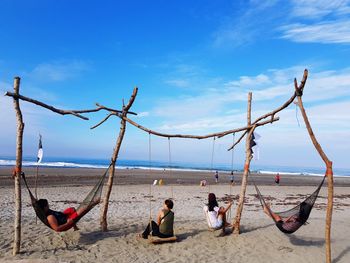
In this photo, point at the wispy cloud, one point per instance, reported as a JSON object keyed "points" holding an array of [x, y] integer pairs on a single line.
{"points": [[58, 70], [327, 22], [316, 9], [224, 107], [245, 24], [181, 83], [303, 21], [324, 32]]}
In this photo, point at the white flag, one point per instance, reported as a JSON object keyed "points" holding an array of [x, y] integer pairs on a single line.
{"points": [[40, 151]]}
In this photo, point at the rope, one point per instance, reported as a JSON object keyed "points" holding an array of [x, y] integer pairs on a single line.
{"points": [[296, 114], [212, 155], [170, 173], [232, 157], [150, 187]]}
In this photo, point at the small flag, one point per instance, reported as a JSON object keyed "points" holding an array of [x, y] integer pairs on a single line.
{"points": [[40, 151], [254, 146]]}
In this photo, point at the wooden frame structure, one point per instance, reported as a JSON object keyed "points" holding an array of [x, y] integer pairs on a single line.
{"points": [[247, 130]]}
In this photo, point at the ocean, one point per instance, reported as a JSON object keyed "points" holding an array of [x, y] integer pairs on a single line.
{"points": [[145, 164]]}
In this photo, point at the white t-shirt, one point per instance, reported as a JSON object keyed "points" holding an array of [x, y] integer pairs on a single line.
{"points": [[212, 217]]}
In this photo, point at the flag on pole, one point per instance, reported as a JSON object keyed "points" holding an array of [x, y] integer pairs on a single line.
{"points": [[40, 151], [254, 146]]}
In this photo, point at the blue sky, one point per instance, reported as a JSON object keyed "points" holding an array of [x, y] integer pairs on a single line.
{"points": [[194, 63]]}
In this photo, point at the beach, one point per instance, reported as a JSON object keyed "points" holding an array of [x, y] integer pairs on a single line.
{"points": [[133, 199]]}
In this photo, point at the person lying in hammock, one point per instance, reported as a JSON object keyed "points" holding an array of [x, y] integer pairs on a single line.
{"points": [[164, 227], [216, 216], [292, 223], [59, 221]]}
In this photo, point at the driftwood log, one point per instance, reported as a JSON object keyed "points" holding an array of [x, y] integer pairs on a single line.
{"points": [[18, 170], [328, 163], [123, 113]]}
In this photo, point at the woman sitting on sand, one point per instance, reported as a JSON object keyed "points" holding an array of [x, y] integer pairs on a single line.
{"points": [[292, 223], [216, 216], [59, 221], [164, 227]]}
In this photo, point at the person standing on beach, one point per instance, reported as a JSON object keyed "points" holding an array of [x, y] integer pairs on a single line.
{"points": [[232, 178], [277, 179], [216, 177]]}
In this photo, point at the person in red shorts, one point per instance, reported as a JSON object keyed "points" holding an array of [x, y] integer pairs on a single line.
{"points": [[58, 221]]}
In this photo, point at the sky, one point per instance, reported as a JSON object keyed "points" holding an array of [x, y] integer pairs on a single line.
{"points": [[194, 63]]}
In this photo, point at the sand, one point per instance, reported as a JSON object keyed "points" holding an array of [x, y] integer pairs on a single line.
{"points": [[260, 240]]}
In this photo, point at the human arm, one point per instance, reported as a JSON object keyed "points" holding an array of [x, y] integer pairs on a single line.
{"points": [[59, 228], [292, 218], [228, 207], [160, 216]]}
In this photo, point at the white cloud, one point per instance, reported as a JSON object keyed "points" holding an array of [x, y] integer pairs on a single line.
{"points": [[250, 81], [324, 32], [58, 70], [181, 83], [224, 107], [315, 9], [142, 114], [245, 24]]}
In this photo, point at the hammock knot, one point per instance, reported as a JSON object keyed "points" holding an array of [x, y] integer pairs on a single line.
{"points": [[246, 167], [299, 92], [16, 171]]}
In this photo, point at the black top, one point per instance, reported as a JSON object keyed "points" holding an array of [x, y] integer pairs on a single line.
{"points": [[60, 217]]}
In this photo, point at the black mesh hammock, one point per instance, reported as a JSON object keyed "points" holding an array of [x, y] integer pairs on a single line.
{"points": [[91, 200], [301, 212]]}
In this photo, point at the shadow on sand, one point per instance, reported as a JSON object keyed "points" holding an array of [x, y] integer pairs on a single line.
{"points": [[342, 254], [306, 241]]}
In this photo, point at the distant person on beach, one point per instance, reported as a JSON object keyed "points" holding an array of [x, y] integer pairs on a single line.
{"points": [[58, 221], [277, 178], [164, 227], [232, 178], [288, 225], [216, 177], [216, 216]]}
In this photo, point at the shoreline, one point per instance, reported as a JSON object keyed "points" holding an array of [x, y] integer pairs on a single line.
{"points": [[88, 176]]}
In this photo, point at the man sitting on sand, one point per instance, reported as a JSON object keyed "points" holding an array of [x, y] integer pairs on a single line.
{"points": [[216, 216], [165, 222], [59, 221]]}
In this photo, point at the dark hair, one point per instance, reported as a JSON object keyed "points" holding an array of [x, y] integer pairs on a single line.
{"points": [[42, 203], [169, 203], [212, 201]]}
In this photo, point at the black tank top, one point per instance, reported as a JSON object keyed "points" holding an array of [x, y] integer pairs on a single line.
{"points": [[60, 217]]}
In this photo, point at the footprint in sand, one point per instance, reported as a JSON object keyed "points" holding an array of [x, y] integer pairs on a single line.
{"points": [[286, 249]]}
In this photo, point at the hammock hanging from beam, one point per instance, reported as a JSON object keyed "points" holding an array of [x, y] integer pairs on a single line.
{"points": [[299, 213], [91, 200]]}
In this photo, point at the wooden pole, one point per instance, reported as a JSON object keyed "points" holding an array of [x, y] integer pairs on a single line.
{"points": [[237, 219], [329, 171], [18, 169], [103, 218]]}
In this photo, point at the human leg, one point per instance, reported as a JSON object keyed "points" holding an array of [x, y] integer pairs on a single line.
{"points": [[274, 216], [151, 227]]}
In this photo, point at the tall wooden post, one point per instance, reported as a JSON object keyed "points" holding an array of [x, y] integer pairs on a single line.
{"points": [[103, 218], [329, 171], [237, 219], [18, 169]]}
